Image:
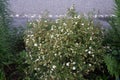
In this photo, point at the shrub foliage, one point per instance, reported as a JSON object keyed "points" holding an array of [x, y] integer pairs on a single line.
{"points": [[67, 48]]}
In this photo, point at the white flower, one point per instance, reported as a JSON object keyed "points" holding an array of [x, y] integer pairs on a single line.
{"points": [[35, 74], [68, 64], [35, 68], [53, 66], [90, 38], [88, 28], [90, 65], [64, 24], [90, 47], [51, 36], [82, 24], [44, 64], [51, 28], [78, 16], [76, 23], [33, 39], [35, 44], [52, 69], [74, 63], [55, 54], [61, 30], [43, 57], [89, 52], [36, 60], [45, 21], [28, 35], [38, 69], [93, 55], [57, 35], [76, 44], [108, 47], [27, 41], [86, 50], [75, 17], [30, 56], [74, 68], [84, 62]]}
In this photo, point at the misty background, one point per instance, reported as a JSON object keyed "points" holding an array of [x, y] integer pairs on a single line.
{"points": [[60, 6]]}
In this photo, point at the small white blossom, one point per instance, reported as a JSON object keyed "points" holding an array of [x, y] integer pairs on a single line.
{"points": [[61, 30], [44, 64], [55, 54], [43, 57], [35, 68], [108, 47], [51, 36], [90, 47], [93, 55], [53, 66], [84, 62], [33, 39], [64, 24], [86, 50], [74, 68], [38, 69], [78, 16], [36, 60], [90, 38], [35, 44], [35, 74], [27, 42], [57, 35], [88, 28], [68, 64], [76, 44], [74, 63], [28, 35], [30, 56], [45, 21], [51, 28], [52, 69], [76, 23], [75, 17], [82, 24], [89, 52], [90, 65]]}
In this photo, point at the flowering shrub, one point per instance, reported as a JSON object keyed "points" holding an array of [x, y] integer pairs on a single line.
{"points": [[65, 49]]}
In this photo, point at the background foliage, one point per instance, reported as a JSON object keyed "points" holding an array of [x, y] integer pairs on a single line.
{"points": [[112, 42]]}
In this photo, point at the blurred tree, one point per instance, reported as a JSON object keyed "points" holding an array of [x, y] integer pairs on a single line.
{"points": [[4, 33], [112, 41]]}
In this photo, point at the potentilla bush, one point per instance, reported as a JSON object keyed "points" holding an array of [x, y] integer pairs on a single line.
{"points": [[65, 49]]}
